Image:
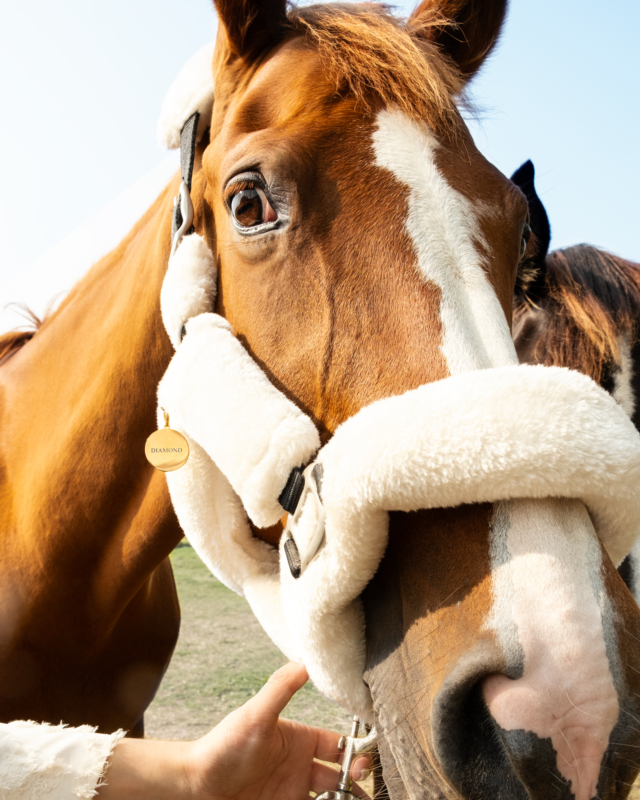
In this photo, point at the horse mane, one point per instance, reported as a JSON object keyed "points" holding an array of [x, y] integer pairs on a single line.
{"points": [[369, 52], [12, 341], [592, 298]]}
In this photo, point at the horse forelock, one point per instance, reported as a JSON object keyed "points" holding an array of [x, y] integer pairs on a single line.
{"points": [[373, 55]]}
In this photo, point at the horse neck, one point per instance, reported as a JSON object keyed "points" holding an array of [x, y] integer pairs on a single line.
{"points": [[79, 403]]}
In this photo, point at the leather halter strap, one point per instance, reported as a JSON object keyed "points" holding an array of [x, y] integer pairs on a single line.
{"points": [[183, 207], [181, 226]]}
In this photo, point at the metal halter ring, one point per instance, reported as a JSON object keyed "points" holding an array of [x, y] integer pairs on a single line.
{"points": [[186, 213], [352, 747], [299, 553]]}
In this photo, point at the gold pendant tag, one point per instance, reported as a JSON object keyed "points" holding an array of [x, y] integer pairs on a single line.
{"points": [[166, 449]]}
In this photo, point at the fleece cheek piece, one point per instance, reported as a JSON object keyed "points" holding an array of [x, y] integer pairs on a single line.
{"points": [[191, 91], [213, 515], [217, 393], [189, 287]]}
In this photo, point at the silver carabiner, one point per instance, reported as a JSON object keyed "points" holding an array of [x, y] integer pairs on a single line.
{"points": [[352, 747], [306, 549], [186, 212]]}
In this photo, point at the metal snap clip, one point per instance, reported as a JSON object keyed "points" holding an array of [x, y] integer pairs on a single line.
{"points": [[352, 747]]}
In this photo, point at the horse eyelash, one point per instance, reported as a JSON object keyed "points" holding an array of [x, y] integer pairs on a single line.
{"points": [[239, 186]]}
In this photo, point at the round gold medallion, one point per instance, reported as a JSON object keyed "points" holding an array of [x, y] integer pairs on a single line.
{"points": [[167, 449]]}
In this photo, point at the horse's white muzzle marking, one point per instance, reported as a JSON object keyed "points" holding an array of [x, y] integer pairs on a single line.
{"points": [[548, 615]]}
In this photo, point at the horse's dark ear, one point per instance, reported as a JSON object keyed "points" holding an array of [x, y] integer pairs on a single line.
{"points": [[467, 30], [252, 26], [531, 272]]}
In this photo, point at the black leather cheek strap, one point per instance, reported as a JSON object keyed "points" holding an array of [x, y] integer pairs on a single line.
{"points": [[188, 147], [290, 495], [187, 158]]}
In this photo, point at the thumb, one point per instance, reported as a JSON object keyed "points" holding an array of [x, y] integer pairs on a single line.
{"points": [[280, 688]]}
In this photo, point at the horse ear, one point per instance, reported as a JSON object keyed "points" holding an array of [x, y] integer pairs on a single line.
{"points": [[531, 272], [251, 26], [466, 30]]}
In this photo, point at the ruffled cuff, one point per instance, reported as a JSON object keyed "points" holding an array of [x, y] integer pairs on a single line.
{"points": [[52, 762]]}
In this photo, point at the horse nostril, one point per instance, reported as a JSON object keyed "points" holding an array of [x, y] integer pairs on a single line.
{"points": [[492, 738], [550, 726], [470, 752], [495, 688]]}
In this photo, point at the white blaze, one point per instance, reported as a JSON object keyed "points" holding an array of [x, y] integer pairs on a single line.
{"points": [[548, 593], [444, 228], [623, 377], [549, 603]]}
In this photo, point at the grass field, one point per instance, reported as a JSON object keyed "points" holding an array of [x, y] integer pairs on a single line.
{"points": [[222, 658]]}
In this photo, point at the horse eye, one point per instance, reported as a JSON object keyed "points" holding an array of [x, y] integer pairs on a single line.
{"points": [[250, 208], [526, 235]]}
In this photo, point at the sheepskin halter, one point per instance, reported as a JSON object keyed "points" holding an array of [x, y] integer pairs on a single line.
{"points": [[249, 443]]}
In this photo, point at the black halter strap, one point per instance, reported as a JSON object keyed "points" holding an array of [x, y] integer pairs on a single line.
{"points": [[290, 496], [187, 157]]}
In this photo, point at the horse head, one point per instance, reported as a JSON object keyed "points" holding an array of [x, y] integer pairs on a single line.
{"points": [[578, 307], [365, 248]]}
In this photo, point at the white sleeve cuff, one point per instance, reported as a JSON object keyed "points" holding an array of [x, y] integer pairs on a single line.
{"points": [[52, 762]]}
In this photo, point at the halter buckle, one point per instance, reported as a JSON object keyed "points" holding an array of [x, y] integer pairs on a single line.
{"points": [[300, 544], [183, 200], [352, 747]]}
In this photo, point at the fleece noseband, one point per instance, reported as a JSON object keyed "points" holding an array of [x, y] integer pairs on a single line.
{"points": [[399, 454], [471, 438]]}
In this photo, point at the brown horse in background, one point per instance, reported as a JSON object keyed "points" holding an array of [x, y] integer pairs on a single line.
{"points": [[380, 255], [581, 310], [90, 613]]}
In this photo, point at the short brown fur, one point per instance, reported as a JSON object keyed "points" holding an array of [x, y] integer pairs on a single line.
{"points": [[13, 340], [591, 298]]}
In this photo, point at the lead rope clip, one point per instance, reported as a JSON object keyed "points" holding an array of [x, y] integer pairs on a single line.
{"points": [[352, 747]]}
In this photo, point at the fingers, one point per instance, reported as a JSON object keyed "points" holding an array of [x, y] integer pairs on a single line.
{"points": [[361, 768], [327, 750], [325, 779], [280, 688], [327, 745]]}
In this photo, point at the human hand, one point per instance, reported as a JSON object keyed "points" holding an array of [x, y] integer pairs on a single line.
{"points": [[254, 755]]}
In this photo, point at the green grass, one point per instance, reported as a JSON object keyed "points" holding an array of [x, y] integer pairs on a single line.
{"points": [[222, 659]]}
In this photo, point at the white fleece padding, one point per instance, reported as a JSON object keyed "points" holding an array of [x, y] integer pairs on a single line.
{"points": [[218, 394], [52, 762], [189, 287], [191, 91], [510, 432], [213, 517], [494, 434]]}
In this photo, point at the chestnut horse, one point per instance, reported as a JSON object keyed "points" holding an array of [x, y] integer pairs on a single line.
{"points": [[376, 251]]}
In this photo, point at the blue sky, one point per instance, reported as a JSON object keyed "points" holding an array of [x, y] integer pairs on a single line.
{"points": [[83, 83]]}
